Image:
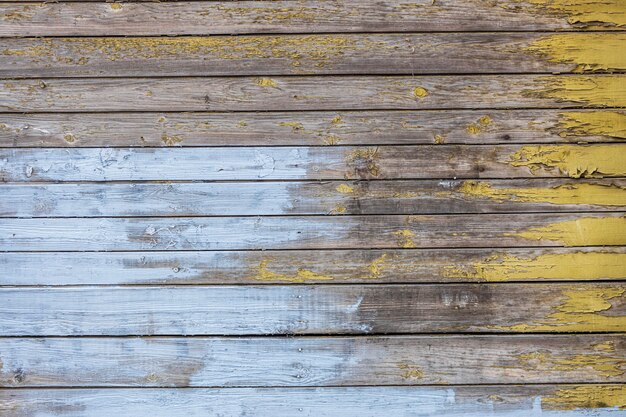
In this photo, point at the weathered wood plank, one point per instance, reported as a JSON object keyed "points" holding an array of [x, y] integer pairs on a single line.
{"points": [[309, 361], [313, 232], [309, 198], [328, 309], [470, 401], [312, 54], [308, 93], [225, 17], [311, 128], [317, 163], [320, 266]]}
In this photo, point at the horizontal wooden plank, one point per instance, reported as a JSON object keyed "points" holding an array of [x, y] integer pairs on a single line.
{"points": [[490, 401], [308, 93], [225, 17], [318, 163], [312, 54], [311, 128], [320, 266], [312, 232], [309, 198], [328, 309], [309, 361]]}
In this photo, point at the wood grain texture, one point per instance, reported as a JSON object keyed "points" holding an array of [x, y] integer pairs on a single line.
{"points": [[312, 163], [310, 54], [307, 93], [311, 361], [310, 128], [313, 267], [472, 401], [328, 309], [309, 198], [225, 17], [313, 232]]}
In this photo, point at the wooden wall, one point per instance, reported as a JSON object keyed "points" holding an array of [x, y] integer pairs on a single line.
{"points": [[350, 208]]}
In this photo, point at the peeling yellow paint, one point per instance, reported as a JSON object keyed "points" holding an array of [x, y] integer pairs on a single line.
{"points": [[604, 347], [301, 275], [586, 13], [586, 397], [405, 238], [585, 231], [561, 266], [586, 52], [603, 365], [266, 82], [295, 126], [476, 128], [593, 123], [171, 140], [583, 193], [364, 161], [410, 371], [116, 6], [581, 311], [345, 189], [336, 121], [69, 138], [331, 140], [376, 266], [602, 91], [420, 92], [339, 209], [594, 161], [439, 140]]}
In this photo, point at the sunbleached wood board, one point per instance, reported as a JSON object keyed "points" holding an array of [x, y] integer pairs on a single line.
{"points": [[328, 309], [310, 198], [313, 267], [312, 54], [308, 93], [312, 163], [311, 128], [313, 232], [470, 401], [225, 17], [311, 361]]}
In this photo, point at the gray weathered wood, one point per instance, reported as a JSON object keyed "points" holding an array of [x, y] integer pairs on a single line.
{"points": [[468, 401], [320, 266], [312, 361], [305, 198], [225, 17], [318, 163], [312, 232], [312, 93], [310, 128], [328, 309], [309, 54]]}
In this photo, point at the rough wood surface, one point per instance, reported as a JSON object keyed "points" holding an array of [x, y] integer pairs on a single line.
{"points": [[313, 267], [312, 163], [311, 128], [225, 17], [310, 198], [312, 361], [470, 401], [308, 93], [311, 54], [313, 232]]}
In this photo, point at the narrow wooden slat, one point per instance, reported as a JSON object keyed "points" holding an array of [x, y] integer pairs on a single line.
{"points": [[312, 232], [318, 163], [308, 93], [311, 128], [311, 54], [471, 401], [408, 360], [309, 198], [329, 309], [321, 266], [225, 17]]}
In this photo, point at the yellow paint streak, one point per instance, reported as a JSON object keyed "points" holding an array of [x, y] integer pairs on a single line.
{"points": [[581, 311], [563, 266], [604, 347], [586, 397], [405, 238], [594, 194], [595, 161], [597, 231], [586, 13], [603, 365], [266, 82], [420, 92], [345, 189], [376, 266], [593, 123], [586, 52], [301, 275], [295, 126], [602, 91]]}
